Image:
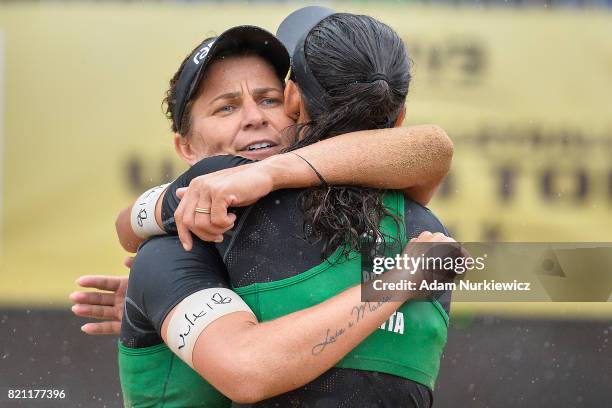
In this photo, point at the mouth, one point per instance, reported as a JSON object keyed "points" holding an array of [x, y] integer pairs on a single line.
{"points": [[258, 146], [260, 149]]}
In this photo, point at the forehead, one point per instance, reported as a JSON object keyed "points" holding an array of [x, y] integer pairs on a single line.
{"points": [[227, 74]]}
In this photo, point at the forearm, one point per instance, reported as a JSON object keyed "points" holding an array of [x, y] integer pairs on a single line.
{"points": [[291, 351], [412, 159], [127, 237]]}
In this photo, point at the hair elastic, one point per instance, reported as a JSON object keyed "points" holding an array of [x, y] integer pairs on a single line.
{"points": [[378, 76], [323, 182]]}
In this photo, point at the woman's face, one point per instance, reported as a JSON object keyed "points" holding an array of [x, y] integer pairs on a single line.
{"points": [[239, 110]]}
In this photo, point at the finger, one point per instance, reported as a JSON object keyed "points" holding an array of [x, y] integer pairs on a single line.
{"points": [[102, 328], [438, 236], [180, 192], [128, 261], [101, 282], [185, 212], [192, 199], [202, 226], [425, 234], [93, 298], [178, 219], [232, 218], [94, 311], [219, 217]]}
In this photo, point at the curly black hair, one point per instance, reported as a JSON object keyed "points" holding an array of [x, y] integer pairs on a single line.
{"points": [[364, 69]]}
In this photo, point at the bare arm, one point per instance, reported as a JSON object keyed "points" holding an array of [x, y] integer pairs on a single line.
{"points": [[127, 237], [271, 358], [413, 159]]}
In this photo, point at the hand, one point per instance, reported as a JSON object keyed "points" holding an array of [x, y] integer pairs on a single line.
{"points": [[430, 247], [100, 305], [235, 187]]}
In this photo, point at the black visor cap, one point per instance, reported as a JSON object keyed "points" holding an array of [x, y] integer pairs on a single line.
{"points": [[299, 23], [253, 38]]}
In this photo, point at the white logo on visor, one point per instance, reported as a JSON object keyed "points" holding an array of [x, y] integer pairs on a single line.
{"points": [[202, 53]]}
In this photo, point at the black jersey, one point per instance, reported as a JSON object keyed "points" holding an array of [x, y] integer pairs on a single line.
{"points": [[267, 244], [164, 273], [268, 241]]}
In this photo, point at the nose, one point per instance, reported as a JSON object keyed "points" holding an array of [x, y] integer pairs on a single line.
{"points": [[253, 116]]}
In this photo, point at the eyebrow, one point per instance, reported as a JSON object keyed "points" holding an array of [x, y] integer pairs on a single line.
{"points": [[236, 95]]}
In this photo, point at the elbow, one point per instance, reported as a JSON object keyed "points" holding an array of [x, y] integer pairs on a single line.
{"points": [[241, 380], [444, 148], [125, 244], [243, 388], [440, 151], [127, 240], [118, 228], [246, 394]]}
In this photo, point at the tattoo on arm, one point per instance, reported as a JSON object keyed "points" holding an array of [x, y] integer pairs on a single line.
{"points": [[356, 315]]}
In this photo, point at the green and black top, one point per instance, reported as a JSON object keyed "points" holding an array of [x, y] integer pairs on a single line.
{"points": [[266, 260]]}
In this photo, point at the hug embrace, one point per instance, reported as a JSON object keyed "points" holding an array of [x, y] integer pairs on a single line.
{"points": [[246, 289]]}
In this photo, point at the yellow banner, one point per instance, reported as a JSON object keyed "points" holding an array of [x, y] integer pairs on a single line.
{"points": [[524, 94]]}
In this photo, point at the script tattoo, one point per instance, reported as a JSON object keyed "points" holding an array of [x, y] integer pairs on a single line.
{"points": [[358, 312], [328, 340]]}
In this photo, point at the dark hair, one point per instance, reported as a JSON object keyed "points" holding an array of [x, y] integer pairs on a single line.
{"points": [[169, 102], [363, 67]]}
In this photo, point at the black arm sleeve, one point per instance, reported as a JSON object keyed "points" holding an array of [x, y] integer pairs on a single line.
{"points": [[204, 166], [163, 274]]}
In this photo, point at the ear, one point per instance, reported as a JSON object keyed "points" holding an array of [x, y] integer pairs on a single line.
{"points": [[293, 100], [183, 148], [400, 118]]}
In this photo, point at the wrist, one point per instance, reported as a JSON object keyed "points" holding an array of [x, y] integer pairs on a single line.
{"points": [[288, 171], [143, 218]]}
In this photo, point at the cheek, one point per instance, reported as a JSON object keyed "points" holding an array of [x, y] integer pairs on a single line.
{"points": [[279, 118], [215, 136]]}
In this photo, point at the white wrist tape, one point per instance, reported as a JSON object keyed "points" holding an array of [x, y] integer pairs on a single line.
{"points": [[195, 313], [142, 217]]}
